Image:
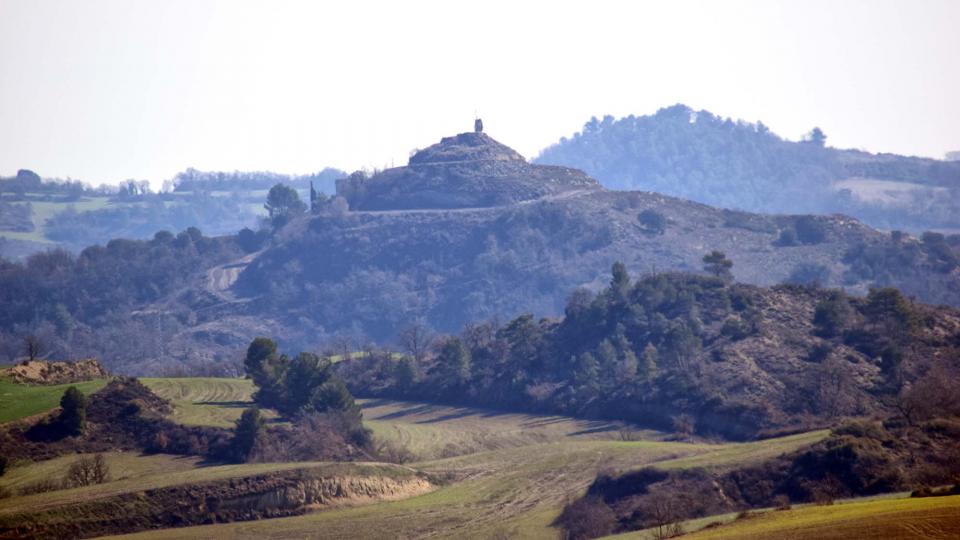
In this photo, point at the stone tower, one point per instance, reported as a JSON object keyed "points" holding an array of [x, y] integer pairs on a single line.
{"points": [[478, 126]]}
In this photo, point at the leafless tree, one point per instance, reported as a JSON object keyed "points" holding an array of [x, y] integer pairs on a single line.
{"points": [[87, 471], [665, 512], [834, 388], [416, 339], [343, 346], [34, 347]]}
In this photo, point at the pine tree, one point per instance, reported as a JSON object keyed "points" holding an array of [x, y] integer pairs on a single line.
{"points": [[587, 374], [73, 416], [455, 362], [406, 373], [247, 434], [650, 357], [717, 263]]}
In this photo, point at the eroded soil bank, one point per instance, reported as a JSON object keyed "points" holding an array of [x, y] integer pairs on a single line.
{"points": [[277, 494]]}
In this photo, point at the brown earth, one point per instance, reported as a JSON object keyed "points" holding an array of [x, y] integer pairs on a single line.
{"points": [[50, 373]]}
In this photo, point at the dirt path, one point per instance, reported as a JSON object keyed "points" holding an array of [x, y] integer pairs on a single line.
{"points": [[546, 198], [220, 278]]}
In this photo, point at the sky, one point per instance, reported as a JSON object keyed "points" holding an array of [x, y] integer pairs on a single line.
{"points": [[109, 90]]}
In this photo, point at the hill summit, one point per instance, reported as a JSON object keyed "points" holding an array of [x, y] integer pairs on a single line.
{"points": [[469, 170], [466, 147]]}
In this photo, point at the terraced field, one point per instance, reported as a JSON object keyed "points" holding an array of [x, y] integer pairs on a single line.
{"points": [[19, 401], [437, 431], [204, 401], [508, 474], [429, 431], [513, 491]]}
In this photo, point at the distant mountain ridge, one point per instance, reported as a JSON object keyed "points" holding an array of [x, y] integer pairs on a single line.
{"points": [[699, 156]]}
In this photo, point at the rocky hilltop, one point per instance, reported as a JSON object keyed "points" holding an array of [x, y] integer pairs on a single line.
{"points": [[469, 170]]}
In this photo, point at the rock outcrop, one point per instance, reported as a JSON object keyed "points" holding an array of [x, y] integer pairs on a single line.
{"points": [[43, 372], [469, 170]]}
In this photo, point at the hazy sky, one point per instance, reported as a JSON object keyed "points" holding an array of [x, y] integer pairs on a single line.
{"points": [[108, 90]]}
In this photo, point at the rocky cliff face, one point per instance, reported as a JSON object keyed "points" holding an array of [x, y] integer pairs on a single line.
{"points": [[469, 170]]}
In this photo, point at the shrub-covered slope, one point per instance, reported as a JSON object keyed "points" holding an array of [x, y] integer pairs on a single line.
{"points": [[697, 355], [370, 273]]}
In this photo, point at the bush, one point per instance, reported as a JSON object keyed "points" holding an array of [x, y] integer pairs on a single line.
{"points": [[810, 230], [832, 315], [653, 221], [248, 433], [735, 328], [787, 238], [809, 274], [588, 517], [392, 452], [819, 353], [781, 502], [3, 465], [863, 429], [87, 471], [73, 417], [40, 486]]}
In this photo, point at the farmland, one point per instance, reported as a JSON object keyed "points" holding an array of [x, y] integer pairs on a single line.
{"points": [[200, 401], [929, 517], [509, 474], [500, 474], [20, 401]]}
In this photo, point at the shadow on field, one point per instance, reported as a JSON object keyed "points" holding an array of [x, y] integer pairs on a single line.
{"points": [[227, 404], [604, 428]]}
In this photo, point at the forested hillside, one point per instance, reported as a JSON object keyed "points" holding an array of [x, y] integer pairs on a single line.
{"points": [[694, 354], [86, 305], [734, 164]]}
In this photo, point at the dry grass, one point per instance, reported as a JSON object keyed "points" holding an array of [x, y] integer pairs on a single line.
{"points": [[930, 517], [136, 474], [510, 474], [513, 484], [123, 465], [437, 431]]}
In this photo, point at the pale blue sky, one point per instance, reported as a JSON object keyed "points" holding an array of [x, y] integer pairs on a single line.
{"points": [[107, 90]]}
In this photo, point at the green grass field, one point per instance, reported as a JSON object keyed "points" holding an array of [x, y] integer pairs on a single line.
{"points": [[19, 401], [44, 210], [204, 401], [732, 454]]}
